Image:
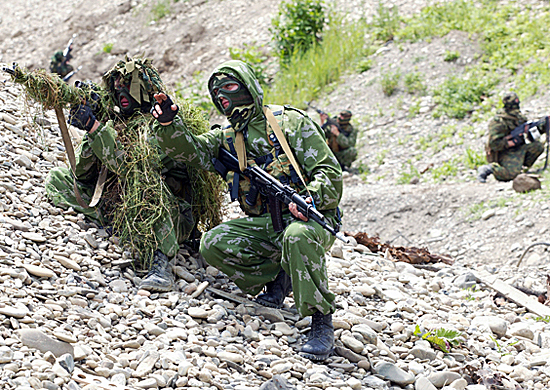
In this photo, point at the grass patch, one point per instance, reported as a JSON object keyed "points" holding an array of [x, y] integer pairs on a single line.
{"points": [[445, 170], [407, 175], [414, 83], [389, 82], [160, 10], [107, 48], [474, 158], [307, 74]]}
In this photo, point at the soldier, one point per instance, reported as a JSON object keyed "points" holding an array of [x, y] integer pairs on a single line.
{"points": [[249, 250], [129, 87], [507, 154], [60, 64], [341, 137]]}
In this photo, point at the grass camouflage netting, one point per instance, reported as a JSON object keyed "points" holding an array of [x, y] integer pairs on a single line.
{"points": [[141, 196]]}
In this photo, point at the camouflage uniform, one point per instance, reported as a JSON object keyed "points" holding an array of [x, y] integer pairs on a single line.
{"points": [[247, 249], [101, 148], [510, 160], [342, 145], [59, 64]]}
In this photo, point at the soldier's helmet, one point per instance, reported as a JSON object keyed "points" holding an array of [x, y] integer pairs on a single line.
{"points": [[510, 101]]}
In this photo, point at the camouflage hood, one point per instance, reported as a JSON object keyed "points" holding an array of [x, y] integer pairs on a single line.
{"points": [[142, 76], [244, 73]]}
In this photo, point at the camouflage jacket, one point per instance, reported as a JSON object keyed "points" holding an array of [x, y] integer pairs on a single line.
{"points": [[102, 148], [346, 139], [501, 125], [303, 135]]}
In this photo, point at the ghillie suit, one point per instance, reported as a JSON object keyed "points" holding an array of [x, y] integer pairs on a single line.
{"points": [[152, 202]]}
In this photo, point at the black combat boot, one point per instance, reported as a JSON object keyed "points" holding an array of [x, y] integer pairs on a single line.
{"points": [[159, 278], [483, 172], [320, 342], [276, 291]]}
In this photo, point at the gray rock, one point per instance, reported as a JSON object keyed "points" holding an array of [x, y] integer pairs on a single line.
{"points": [[422, 383], [34, 338], [348, 354], [465, 280], [277, 383], [440, 379], [422, 353], [525, 183], [393, 373]]}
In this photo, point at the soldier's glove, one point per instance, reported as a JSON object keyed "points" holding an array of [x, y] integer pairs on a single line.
{"points": [[94, 100], [168, 114], [517, 139], [82, 116]]}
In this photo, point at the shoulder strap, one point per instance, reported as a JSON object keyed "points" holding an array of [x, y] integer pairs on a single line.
{"points": [[284, 144]]}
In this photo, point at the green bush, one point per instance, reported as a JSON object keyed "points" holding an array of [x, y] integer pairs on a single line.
{"points": [[458, 96], [306, 75], [389, 82], [107, 48], [451, 56], [414, 83], [297, 26], [386, 22], [406, 177], [474, 158], [160, 10], [254, 57]]}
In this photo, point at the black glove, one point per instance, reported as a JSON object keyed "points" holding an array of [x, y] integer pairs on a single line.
{"points": [[82, 116], [168, 114], [94, 100]]}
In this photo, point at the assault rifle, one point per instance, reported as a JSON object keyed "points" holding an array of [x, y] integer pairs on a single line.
{"points": [[277, 193], [67, 51], [68, 76], [529, 132], [329, 122]]}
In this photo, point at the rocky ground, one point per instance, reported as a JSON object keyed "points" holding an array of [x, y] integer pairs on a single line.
{"points": [[70, 312]]}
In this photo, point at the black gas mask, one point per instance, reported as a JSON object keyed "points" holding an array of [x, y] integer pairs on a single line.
{"points": [[233, 99]]}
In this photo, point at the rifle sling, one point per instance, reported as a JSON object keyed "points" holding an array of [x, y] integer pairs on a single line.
{"points": [[72, 161], [284, 144]]}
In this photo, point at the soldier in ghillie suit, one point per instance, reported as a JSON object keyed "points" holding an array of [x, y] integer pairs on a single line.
{"points": [[506, 153], [148, 195], [341, 137], [249, 250]]}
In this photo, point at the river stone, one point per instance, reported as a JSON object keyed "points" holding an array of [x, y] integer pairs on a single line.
{"points": [[146, 365], [348, 354], [230, 357], [367, 332], [525, 183], [393, 373], [422, 383], [442, 378], [64, 336], [352, 343], [16, 312], [197, 312], [36, 237], [496, 324], [6, 354], [277, 383], [41, 272], [34, 338]]}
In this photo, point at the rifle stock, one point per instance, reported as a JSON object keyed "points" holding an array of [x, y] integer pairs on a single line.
{"points": [[273, 188]]}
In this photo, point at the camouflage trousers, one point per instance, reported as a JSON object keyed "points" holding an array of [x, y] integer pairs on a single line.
{"points": [[346, 157], [510, 162], [171, 230], [251, 254]]}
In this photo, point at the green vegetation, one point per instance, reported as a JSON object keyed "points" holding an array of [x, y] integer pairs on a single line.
{"points": [[107, 48], [451, 56], [306, 74], [386, 22], [406, 177], [297, 27], [196, 92], [445, 170], [474, 158], [160, 9], [414, 83], [253, 56], [440, 338], [389, 82]]}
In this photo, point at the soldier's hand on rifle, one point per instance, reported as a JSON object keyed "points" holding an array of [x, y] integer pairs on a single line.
{"points": [[294, 210], [334, 130], [82, 116], [164, 109], [512, 141], [323, 117]]}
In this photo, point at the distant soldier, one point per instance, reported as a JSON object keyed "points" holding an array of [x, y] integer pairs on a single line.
{"points": [[507, 153], [60, 61], [341, 137]]}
